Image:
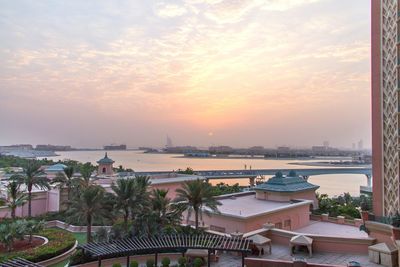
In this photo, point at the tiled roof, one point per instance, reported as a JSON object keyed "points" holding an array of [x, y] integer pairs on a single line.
{"points": [[105, 160], [282, 183]]}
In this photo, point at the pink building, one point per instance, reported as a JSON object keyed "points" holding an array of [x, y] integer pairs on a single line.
{"points": [[385, 107], [105, 166]]}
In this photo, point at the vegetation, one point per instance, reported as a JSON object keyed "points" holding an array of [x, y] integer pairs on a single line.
{"points": [[90, 203], [134, 264], [116, 265], [165, 262], [182, 261], [59, 242], [67, 180], [32, 177], [196, 195], [223, 189], [16, 197], [188, 170], [197, 262], [343, 205], [150, 263]]}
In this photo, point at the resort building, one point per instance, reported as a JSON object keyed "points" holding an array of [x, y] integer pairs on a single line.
{"points": [[287, 188], [283, 201], [385, 107], [105, 166]]}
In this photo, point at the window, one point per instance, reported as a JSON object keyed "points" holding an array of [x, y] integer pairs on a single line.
{"points": [[104, 169], [278, 225], [288, 224]]}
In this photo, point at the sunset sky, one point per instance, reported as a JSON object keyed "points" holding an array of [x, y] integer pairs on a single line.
{"points": [[205, 72]]}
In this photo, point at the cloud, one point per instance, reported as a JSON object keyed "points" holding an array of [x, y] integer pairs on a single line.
{"points": [[169, 10], [283, 5]]}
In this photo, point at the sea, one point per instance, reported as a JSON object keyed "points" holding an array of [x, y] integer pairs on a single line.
{"points": [[333, 184]]}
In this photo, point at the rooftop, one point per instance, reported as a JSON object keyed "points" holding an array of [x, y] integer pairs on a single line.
{"points": [[105, 160], [290, 183], [56, 168], [332, 229], [247, 205]]}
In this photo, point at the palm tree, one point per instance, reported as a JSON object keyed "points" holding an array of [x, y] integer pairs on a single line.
{"points": [[196, 195], [88, 205], [33, 177], [125, 194], [65, 180], [16, 198], [140, 202], [166, 213], [86, 172]]}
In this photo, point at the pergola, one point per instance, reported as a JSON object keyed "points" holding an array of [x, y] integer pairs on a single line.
{"points": [[18, 262], [169, 243]]}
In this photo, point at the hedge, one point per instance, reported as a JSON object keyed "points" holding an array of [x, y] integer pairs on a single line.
{"points": [[60, 241]]}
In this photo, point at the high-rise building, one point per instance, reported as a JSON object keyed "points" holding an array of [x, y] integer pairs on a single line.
{"points": [[385, 107]]}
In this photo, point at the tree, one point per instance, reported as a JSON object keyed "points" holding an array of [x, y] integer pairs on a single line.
{"points": [[33, 226], [33, 177], [141, 201], [196, 195], [16, 198], [10, 231], [125, 195], [88, 205], [86, 171], [65, 179], [166, 213]]}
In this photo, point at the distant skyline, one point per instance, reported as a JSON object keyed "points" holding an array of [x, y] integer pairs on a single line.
{"points": [[204, 72]]}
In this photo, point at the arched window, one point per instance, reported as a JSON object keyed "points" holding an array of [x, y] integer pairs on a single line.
{"points": [[104, 169]]}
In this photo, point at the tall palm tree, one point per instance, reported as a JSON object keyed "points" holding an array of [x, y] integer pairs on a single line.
{"points": [[16, 198], [166, 212], [88, 205], [196, 195], [86, 172], [140, 202], [125, 195], [65, 179], [33, 177]]}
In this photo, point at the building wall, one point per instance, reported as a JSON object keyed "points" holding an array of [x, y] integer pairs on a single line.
{"points": [[53, 200], [385, 130], [171, 187], [284, 197], [298, 217], [108, 169]]}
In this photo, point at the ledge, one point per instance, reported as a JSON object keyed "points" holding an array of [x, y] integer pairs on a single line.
{"points": [[59, 258]]}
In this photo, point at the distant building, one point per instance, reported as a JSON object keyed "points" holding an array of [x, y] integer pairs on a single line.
{"points": [[105, 166], [169, 142], [114, 147], [21, 147], [360, 145], [220, 149], [53, 148]]}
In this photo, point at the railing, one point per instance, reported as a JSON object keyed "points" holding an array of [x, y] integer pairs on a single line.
{"points": [[336, 220]]}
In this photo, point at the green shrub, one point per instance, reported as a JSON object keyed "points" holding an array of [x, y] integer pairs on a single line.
{"points": [[150, 263], [134, 264], [197, 262], [182, 261], [116, 265], [165, 262], [60, 241]]}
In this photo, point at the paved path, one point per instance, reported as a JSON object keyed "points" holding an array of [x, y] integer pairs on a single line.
{"points": [[280, 252]]}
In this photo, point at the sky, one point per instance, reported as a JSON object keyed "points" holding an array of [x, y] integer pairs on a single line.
{"points": [[205, 72]]}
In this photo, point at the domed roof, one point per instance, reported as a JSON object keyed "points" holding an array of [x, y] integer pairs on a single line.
{"points": [[105, 160], [56, 168], [283, 183]]}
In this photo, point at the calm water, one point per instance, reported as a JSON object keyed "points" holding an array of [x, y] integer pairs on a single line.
{"points": [[139, 161]]}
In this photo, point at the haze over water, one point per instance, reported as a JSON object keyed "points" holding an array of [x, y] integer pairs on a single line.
{"points": [[139, 161]]}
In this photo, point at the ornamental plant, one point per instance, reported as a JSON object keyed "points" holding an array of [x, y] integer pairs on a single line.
{"points": [[116, 265], [197, 262], [165, 262], [134, 264], [182, 261], [150, 263]]}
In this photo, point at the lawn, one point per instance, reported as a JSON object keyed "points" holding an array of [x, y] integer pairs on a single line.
{"points": [[81, 237]]}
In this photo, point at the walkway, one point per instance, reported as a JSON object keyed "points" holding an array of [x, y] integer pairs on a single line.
{"points": [[280, 252]]}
